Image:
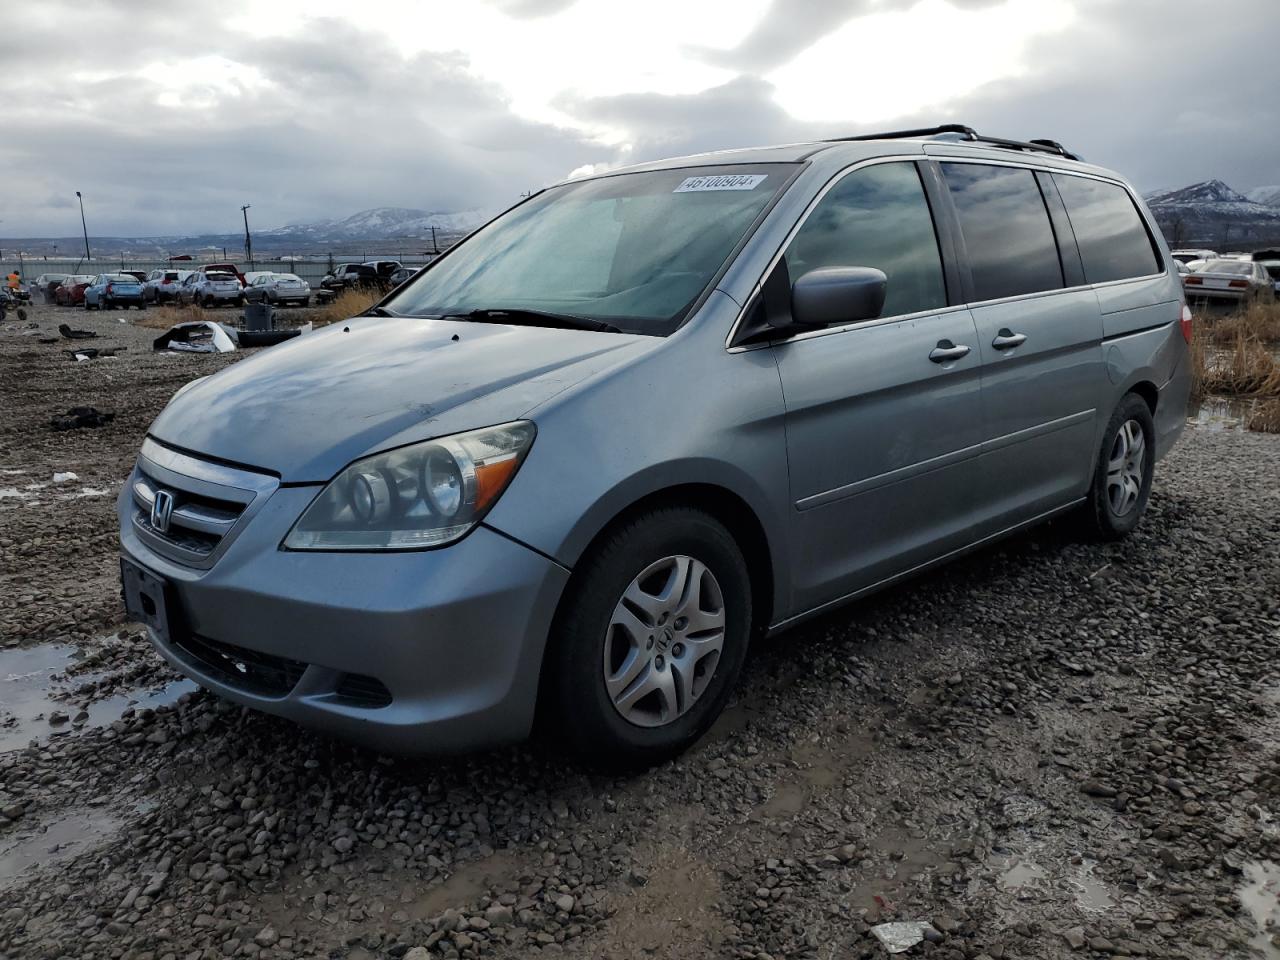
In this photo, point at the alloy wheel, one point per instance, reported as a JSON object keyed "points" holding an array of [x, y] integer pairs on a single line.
{"points": [[664, 641], [1126, 468]]}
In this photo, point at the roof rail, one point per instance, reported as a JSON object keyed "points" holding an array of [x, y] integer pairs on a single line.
{"points": [[968, 134]]}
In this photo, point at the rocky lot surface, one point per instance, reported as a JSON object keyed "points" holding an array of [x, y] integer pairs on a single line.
{"points": [[1049, 749]]}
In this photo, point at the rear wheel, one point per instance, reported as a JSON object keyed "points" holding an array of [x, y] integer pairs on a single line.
{"points": [[1122, 479], [649, 641]]}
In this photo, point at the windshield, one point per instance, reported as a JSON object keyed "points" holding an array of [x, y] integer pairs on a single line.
{"points": [[1239, 268], [635, 250], [288, 277]]}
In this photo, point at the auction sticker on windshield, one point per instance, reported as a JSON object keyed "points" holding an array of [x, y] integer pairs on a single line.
{"points": [[730, 181]]}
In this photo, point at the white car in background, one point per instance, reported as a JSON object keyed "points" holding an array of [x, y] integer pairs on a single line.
{"points": [[281, 289], [162, 285], [211, 289]]}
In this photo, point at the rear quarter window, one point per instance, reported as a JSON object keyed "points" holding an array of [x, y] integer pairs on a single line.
{"points": [[1007, 234], [1113, 240]]}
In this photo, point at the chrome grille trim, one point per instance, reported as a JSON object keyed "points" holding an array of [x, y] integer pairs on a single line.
{"points": [[212, 503]]}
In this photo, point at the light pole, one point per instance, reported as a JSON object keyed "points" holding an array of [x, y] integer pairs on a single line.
{"points": [[248, 242], [82, 224]]}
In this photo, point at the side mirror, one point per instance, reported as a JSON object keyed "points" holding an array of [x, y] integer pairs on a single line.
{"points": [[834, 295]]}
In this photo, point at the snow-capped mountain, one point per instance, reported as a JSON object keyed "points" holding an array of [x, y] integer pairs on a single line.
{"points": [[383, 223], [1213, 214], [1267, 196]]}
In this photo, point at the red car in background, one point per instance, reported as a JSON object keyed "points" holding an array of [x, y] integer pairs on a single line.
{"points": [[70, 293]]}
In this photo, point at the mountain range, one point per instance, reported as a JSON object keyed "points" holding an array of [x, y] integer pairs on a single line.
{"points": [[382, 223], [1213, 214]]}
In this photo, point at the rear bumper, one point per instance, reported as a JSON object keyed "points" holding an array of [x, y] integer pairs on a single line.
{"points": [[1171, 406], [454, 637]]}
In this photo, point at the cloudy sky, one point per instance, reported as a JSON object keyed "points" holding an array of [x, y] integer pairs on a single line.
{"points": [[169, 118]]}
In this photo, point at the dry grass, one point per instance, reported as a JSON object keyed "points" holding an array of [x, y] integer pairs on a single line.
{"points": [[344, 306], [162, 318], [1260, 321], [1266, 416]]}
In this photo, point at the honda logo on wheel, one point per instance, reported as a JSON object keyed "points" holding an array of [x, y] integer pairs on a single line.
{"points": [[161, 511]]}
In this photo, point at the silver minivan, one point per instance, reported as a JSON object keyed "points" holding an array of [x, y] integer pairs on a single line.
{"points": [[572, 467]]}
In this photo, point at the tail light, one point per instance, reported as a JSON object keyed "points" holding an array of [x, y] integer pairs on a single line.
{"points": [[108, 288], [1192, 282], [1238, 284], [1185, 323]]}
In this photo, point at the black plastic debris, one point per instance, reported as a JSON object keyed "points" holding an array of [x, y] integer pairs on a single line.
{"points": [[70, 334], [78, 417], [264, 338], [92, 353]]}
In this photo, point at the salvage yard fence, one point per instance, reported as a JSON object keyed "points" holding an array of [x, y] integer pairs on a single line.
{"points": [[311, 268]]}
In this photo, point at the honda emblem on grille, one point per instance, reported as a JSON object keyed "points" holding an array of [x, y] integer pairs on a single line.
{"points": [[161, 511]]}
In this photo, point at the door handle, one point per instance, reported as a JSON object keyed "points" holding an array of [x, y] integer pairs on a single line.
{"points": [[1006, 339], [946, 351]]}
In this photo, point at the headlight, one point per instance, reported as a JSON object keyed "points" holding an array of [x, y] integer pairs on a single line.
{"points": [[424, 495]]}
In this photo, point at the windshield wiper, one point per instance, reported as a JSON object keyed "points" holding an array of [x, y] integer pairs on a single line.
{"points": [[533, 318], [379, 312]]}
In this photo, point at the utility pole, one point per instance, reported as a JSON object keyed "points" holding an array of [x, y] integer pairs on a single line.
{"points": [[84, 227], [248, 241], [435, 247]]}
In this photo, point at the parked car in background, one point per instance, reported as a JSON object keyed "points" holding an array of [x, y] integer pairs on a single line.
{"points": [[46, 284], [1187, 255], [281, 289], [1228, 283], [252, 275], [162, 285], [70, 292], [141, 275], [384, 268], [400, 275], [348, 275], [641, 418], [110, 290], [230, 268], [210, 289], [1273, 271]]}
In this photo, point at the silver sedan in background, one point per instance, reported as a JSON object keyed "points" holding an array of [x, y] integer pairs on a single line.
{"points": [[1228, 284], [278, 288]]}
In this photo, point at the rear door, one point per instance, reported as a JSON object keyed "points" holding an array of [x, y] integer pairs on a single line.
{"points": [[883, 417], [1039, 333]]}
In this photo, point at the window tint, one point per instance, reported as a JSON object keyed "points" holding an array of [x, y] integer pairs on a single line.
{"points": [[1006, 229], [876, 217], [1113, 242]]}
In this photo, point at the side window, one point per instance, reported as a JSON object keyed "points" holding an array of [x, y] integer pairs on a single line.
{"points": [[876, 217], [1006, 229], [1113, 241]]}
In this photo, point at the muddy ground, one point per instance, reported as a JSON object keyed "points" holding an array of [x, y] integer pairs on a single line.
{"points": [[1049, 749]]}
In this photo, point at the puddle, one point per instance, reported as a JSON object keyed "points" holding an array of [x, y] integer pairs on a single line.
{"points": [[469, 883], [1021, 874], [1220, 413], [52, 841], [1261, 898], [29, 678]]}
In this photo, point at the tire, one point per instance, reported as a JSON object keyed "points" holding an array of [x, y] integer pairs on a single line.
{"points": [[589, 638], [1114, 507]]}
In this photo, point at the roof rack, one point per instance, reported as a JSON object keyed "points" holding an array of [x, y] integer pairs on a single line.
{"points": [[966, 133]]}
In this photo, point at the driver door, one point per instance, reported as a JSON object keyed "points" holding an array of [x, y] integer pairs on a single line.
{"points": [[883, 417]]}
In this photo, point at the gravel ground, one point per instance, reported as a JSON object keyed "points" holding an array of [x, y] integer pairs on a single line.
{"points": [[1048, 749]]}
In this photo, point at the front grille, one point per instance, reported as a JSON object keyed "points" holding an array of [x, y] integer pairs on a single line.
{"points": [[207, 503], [362, 691], [250, 670]]}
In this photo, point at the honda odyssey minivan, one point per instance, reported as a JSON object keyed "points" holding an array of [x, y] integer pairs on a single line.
{"points": [[571, 468]]}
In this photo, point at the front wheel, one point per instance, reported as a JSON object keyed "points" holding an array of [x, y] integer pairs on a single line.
{"points": [[649, 640], [1122, 479]]}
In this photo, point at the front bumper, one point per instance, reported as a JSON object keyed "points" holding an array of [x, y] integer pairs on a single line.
{"points": [[454, 636]]}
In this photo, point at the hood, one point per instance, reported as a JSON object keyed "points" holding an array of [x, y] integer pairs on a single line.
{"points": [[306, 408]]}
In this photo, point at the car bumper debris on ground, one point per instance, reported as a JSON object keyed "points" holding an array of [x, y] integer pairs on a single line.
{"points": [[1049, 749]]}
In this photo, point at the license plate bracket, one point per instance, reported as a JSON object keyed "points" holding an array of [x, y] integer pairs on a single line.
{"points": [[146, 598]]}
